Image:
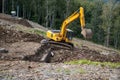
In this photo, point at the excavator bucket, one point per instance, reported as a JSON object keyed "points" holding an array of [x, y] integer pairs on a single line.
{"points": [[87, 33]]}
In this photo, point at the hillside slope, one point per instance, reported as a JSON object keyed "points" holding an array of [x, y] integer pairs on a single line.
{"points": [[21, 62]]}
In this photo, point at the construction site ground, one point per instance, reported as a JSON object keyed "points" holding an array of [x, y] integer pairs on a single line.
{"points": [[21, 62]]}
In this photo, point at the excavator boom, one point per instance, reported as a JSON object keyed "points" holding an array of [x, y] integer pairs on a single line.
{"points": [[87, 33], [62, 34]]}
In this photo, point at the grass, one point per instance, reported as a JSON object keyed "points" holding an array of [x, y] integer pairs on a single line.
{"points": [[103, 64], [36, 31], [31, 30]]}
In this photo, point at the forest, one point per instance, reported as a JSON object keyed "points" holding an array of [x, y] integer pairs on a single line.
{"points": [[102, 16]]}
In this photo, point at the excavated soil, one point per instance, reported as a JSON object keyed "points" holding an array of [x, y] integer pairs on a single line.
{"points": [[22, 46], [11, 36], [62, 55], [18, 44]]}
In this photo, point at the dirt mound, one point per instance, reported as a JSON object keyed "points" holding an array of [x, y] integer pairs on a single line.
{"points": [[21, 21], [62, 55], [18, 44], [11, 36]]}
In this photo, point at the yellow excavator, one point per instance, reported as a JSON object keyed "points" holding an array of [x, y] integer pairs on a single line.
{"points": [[63, 37]]}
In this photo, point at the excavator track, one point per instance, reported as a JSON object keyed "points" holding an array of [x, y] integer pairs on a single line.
{"points": [[58, 45], [47, 46], [61, 45]]}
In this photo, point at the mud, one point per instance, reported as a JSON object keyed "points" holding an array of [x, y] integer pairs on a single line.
{"points": [[22, 46]]}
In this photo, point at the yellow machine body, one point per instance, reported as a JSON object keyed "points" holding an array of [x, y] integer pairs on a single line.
{"points": [[65, 34], [55, 35]]}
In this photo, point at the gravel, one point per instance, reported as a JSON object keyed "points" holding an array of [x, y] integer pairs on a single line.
{"points": [[24, 70]]}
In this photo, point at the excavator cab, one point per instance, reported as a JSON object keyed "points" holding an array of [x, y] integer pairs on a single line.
{"points": [[69, 34]]}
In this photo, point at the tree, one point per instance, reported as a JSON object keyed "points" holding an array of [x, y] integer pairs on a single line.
{"points": [[116, 28], [96, 21], [50, 12], [107, 17], [2, 6]]}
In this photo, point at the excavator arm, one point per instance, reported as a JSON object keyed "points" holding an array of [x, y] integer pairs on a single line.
{"points": [[61, 35], [77, 14]]}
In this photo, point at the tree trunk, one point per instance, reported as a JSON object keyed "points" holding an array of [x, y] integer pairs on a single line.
{"points": [[2, 6], [28, 15], [115, 41], [17, 10], [108, 37], [52, 21], [47, 13], [23, 11], [12, 4], [67, 8]]}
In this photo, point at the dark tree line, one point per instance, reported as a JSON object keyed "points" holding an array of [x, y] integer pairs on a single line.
{"points": [[102, 16]]}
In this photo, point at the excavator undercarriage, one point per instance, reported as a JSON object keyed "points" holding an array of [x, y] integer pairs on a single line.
{"points": [[47, 46]]}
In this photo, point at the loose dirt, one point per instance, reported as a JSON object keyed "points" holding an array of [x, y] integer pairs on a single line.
{"points": [[62, 55], [11, 36], [18, 44], [22, 46]]}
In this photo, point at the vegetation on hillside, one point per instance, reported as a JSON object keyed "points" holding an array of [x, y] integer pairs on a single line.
{"points": [[102, 16], [109, 64]]}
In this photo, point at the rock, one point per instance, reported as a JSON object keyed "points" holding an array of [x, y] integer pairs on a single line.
{"points": [[3, 50]]}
